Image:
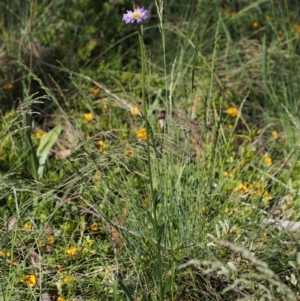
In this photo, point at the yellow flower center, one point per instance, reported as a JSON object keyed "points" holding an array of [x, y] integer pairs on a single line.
{"points": [[136, 15]]}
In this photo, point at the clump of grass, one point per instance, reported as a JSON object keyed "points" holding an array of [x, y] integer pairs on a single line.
{"points": [[90, 227]]}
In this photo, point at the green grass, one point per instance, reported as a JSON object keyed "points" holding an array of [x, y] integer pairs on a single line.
{"points": [[78, 218]]}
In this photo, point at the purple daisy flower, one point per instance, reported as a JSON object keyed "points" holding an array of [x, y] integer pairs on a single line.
{"points": [[138, 15]]}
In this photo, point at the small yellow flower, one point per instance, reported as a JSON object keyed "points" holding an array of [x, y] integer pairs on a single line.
{"points": [[8, 86], [59, 269], [203, 209], [30, 280], [268, 160], [102, 146], [88, 116], [51, 239], [233, 112], [267, 195], [129, 152], [4, 253], [297, 28], [135, 111], [61, 299], [225, 174], [105, 107], [230, 126], [258, 186], [72, 251], [40, 134], [97, 177], [275, 134], [27, 226], [95, 91], [255, 24], [242, 187], [141, 134], [68, 279], [90, 242], [259, 192], [94, 227]]}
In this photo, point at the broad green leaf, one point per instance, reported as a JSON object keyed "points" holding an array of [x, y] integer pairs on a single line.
{"points": [[32, 159], [45, 146]]}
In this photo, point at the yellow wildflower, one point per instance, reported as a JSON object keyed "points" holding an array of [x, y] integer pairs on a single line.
{"points": [[275, 134], [242, 187], [68, 279], [258, 186], [30, 280], [233, 112], [4, 253], [51, 239], [72, 251], [129, 152], [94, 227], [267, 195], [141, 134], [90, 242], [105, 107], [268, 160], [59, 269], [97, 176], [135, 111], [255, 24], [27, 226], [95, 91], [8, 86], [297, 28], [61, 299], [259, 192], [102, 146], [40, 134], [88, 116], [230, 126]]}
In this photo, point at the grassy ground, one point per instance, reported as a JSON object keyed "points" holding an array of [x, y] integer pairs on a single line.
{"points": [[78, 218]]}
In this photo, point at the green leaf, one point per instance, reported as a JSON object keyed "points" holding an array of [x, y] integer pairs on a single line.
{"points": [[32, 159], [168, 284], [45, 146], [125, 290]]}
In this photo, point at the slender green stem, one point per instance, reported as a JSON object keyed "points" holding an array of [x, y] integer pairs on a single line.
{"points": [[140, 31], [156, 224]]}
